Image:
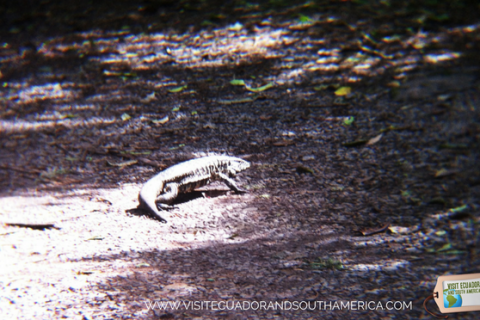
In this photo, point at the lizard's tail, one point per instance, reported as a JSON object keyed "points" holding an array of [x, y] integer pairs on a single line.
{"points": [[146, 198]]}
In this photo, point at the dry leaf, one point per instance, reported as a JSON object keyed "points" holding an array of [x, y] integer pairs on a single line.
{"points": [[282, 143], [122, 164], [370, 231], [161, 121], [444, 172], [374, 140]]}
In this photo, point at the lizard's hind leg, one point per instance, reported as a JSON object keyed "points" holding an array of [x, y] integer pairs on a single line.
{"points": [[170, 193]]}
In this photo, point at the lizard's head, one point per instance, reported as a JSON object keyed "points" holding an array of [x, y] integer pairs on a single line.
{"points": [[237, 165]]}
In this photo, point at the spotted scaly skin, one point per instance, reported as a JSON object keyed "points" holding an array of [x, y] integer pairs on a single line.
{"points": [[185, 177]]}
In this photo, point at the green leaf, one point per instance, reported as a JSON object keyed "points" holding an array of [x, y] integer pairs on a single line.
{"points": [[263, 88], [304, 19], [177, 89], [348, 121], [237, 82]]}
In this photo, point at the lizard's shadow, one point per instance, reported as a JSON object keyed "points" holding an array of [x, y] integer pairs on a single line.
{"points": [[186, 197], [182, 198]]}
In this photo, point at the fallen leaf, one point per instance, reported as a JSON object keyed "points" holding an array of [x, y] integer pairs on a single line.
{"points": [[444, 172], [303, 169], [458, 209], [181, 145], [282, 143], [348, 121], [233, 101], [237, 82], [122, 164], [304, 19], [143, 264], [260, 89], [402, 230], [161, 121], [374, 140], [370, 231], [393, 84], [343, 91], [445, 247], [177, 89], [454, 252], [136, 153]]}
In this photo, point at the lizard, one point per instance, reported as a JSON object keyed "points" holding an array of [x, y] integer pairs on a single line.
{"points": [[186, 176]]}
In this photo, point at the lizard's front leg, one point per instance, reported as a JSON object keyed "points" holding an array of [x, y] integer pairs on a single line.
{"points": [[171, 192], [230, 183]]}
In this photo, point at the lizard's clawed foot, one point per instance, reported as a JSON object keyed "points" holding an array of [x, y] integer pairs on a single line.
{"points": [[164, 206]]}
